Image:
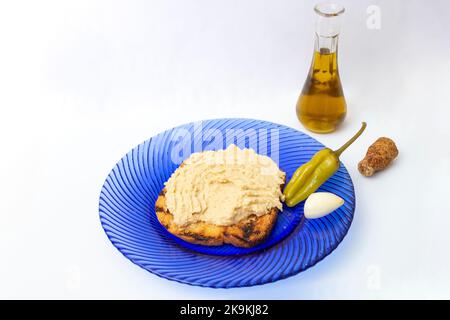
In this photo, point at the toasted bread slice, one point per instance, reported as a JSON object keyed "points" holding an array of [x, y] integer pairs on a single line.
{"points": [[247, 233]]}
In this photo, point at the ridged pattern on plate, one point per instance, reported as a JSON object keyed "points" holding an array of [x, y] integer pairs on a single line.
{"points": [[128, 216]]}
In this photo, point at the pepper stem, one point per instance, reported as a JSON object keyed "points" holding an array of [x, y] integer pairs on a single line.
{"points": [[339, 151]]}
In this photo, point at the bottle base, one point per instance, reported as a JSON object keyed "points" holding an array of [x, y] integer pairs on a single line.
{"points": [[319, 126], [321, 113], [321, 131]]}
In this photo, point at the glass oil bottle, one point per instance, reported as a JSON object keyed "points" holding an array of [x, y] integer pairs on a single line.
{"points": [[321, 106]]}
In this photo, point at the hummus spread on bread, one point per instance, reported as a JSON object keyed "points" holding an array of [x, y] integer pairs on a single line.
{"points": [[223, 187]]}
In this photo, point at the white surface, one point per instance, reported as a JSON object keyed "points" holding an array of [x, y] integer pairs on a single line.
{"points": [[82, 82]]}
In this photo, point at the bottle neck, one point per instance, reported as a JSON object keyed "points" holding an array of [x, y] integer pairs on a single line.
{"points": [[326, 45]]}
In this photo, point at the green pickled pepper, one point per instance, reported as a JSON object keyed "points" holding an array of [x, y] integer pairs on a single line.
{"points": [[311, 175]]}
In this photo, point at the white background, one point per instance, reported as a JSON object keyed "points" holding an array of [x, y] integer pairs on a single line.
{"points": [[83, 82]]}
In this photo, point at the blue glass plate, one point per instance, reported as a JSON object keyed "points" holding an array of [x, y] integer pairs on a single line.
{"points": [[127, 208]]}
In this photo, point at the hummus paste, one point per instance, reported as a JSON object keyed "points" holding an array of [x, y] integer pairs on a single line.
{"points": [[223, 187]]}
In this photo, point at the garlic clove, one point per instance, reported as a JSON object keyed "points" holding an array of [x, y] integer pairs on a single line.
{"points": [[320, 204]]}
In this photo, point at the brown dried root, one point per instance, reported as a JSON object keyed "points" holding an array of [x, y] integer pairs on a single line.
{"points": [[379, 155]]}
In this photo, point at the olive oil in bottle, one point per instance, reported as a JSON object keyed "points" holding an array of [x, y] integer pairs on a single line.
{"points": [[321, 106]]}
